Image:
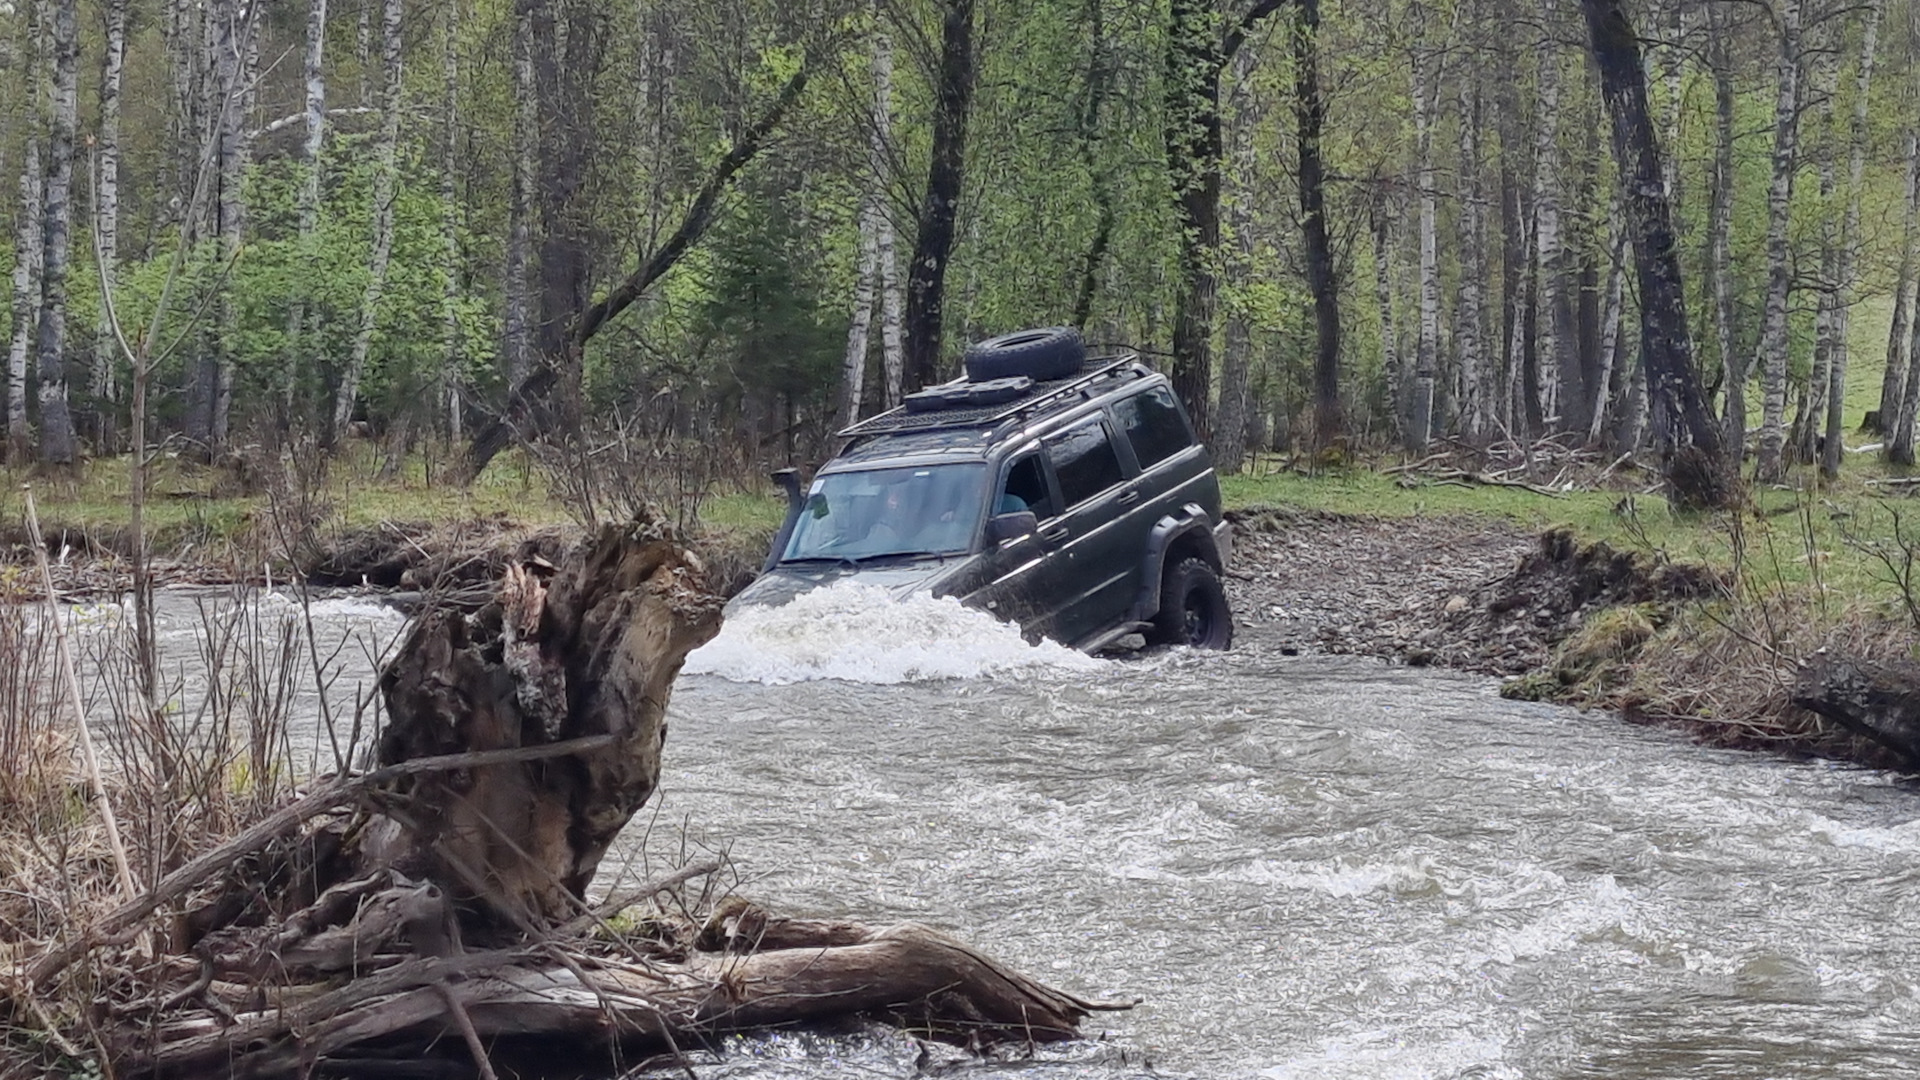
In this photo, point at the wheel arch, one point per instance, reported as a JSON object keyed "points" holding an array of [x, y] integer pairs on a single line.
{"points": [[1186, 534]]}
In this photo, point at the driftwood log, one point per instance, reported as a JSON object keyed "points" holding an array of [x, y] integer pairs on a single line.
{"points": [[431, 916], [1879, 700]]}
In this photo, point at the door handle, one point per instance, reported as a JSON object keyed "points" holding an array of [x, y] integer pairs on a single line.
{"points": [[1057, 533], [1128, 498]]}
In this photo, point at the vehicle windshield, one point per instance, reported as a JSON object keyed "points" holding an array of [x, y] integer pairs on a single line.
{"points": [[918, 510]]}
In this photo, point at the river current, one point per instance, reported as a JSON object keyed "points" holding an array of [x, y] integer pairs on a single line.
{"points": [[1302, 867]]}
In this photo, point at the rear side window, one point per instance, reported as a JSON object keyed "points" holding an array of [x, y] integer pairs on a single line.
{"points": [[1083, 462], [1153, 424]]}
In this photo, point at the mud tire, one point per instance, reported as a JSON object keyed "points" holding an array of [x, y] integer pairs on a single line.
{"points": [[1193, 608]]}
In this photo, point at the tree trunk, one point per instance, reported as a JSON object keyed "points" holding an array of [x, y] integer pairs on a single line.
{"points": [[873, 215], [1427, 345], [516, 335], [57, 444], [1875, 700], [1734, 371], [1559, 360], [1310, 109], [1392, 363], [1803, 433], [1900, 446], [1614, 299], [940, 205], [1773, 326], [1091, 118], [1232, 419], [1695, 464], [1473, 266], [892, 299], [103, 387], [348, 393], [853, 365], [1849, 243], [307, 202], [1893, 379], [29, 249], [453, 359]]}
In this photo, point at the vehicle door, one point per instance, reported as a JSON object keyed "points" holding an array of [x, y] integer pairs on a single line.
{"points": [[1023, 583], [1099, 562], [1174, 469]]}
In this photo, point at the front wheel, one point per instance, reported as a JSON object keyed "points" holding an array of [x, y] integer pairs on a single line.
{"points": [[1193, 608]]}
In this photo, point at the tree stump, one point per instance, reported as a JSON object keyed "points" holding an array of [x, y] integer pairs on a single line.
{"points": [[589, 648]]}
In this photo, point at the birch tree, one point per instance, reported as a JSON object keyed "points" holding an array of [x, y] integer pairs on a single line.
{"points": [[381, 252], [307, 201], [873, 219], [28, 246], [1719, 259], [1559, 364], [57, 443], [1473, 264], [102, 387], [1427, 344], [1779, 252]]}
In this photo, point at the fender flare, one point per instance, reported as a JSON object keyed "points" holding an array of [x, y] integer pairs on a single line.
{"points": [[1189, 520]]}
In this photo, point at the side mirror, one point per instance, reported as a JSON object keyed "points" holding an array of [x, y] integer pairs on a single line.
{"points": [[1004, 527]]}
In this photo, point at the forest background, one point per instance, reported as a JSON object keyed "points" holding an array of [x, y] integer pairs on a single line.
{"points": [[721, 230]]}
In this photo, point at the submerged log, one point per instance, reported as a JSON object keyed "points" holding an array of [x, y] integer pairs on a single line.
{"points": [[1879, 700], [450, 928]]}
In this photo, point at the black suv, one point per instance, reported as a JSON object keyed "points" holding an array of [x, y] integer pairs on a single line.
{"points": [[1061, 492]]}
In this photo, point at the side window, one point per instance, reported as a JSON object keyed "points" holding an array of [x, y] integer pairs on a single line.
{"points": [[1153, 424], [1083, 462], [1026, 489]]}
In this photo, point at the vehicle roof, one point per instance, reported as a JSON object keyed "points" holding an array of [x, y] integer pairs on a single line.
{"points": [[972, 433]]}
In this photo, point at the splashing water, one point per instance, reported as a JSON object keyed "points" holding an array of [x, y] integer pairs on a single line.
{"points": [[859, 633]]}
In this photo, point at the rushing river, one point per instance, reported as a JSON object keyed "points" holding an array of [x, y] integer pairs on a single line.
{"points": [[1302, 867]]}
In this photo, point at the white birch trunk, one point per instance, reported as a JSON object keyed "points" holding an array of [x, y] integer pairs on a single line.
{"points": [[28, 247], [1899, 346], [57, 443], [892, 294], [103, 387], [1427, 345], [307, 202], [383, 192], [1733, 364], [1779, 250], [517, 328], [1473, 259], [853, 366], [1813, 395], [1558, 364], [1849, 243], [453, 377], [1392, 367], [1611, 311]]}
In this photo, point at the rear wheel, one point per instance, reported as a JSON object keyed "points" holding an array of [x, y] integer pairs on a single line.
{"points": [[1193, 608]]}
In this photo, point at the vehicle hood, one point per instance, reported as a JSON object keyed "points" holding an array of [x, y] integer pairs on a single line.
{"points": [[784, 582]]}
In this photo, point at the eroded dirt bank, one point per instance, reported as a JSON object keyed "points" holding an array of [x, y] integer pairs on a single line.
{"points": [[1577, 624]]}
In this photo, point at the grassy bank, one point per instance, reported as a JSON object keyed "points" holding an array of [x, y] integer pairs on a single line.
{"points": [[1804, 569]]}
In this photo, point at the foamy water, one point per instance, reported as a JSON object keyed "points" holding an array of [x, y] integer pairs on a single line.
{"points": [[859, 633]]}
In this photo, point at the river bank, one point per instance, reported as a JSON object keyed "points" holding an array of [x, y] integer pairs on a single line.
{"points": [[1559, 619]]}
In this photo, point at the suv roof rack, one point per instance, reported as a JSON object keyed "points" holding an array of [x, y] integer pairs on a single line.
{"points": [[1043, 395]]}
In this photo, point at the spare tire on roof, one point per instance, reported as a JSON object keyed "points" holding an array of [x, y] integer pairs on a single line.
{"points": [[1054, 352]]}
